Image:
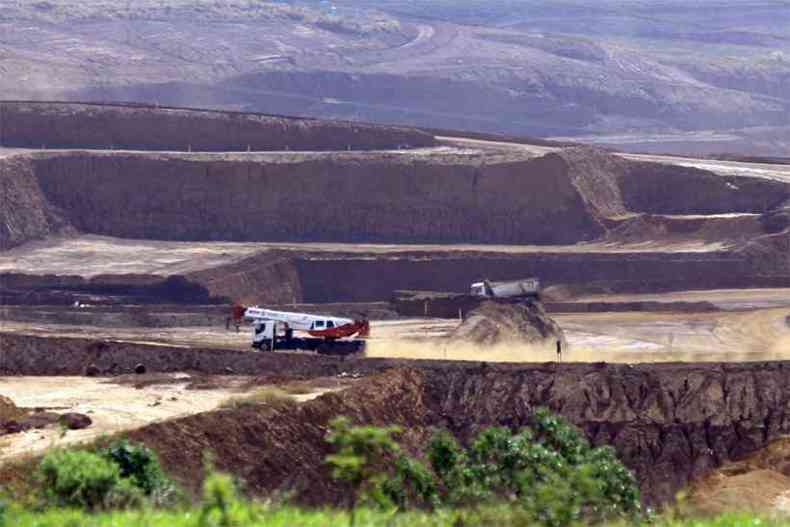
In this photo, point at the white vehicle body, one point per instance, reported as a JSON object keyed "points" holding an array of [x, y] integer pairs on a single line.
{"points": [[270, 325], [515, 288]]}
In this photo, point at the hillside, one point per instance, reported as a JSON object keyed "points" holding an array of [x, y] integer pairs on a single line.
{"points": [[647, 76]]}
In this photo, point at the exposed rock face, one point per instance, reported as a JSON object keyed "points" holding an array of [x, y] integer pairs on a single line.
{"points": [[64, 125], [269, 277], [339, 198], [25, 213], [375, 278], [495, 322], [654, 188], [669, 422], [565, 197], [9, 410]]}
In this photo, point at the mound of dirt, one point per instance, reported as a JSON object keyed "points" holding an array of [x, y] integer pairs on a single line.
{"points": [[758, 483], [9, 411], [499, 322]]}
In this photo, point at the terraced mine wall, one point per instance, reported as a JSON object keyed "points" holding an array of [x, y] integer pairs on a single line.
{"points": [[287, 277], [560, 198], [383, 198], [138, 127], [375, 278], [567, 197], [668, 422], [22, 289]]}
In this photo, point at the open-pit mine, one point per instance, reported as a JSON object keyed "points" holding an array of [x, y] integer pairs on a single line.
{"points": [[128, 233]]}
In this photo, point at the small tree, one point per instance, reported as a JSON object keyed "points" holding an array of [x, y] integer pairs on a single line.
{"points": [[361, 458], [140, 465]]}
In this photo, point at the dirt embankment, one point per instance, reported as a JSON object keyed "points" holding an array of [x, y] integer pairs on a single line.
{"points": [[287, 277], [25, 213], [669, 423], [670, 189], [376, 278], [269, 276], [22, 289], [343, 277], [572, 196], [30, 355], [136, 127], [384, 198]]}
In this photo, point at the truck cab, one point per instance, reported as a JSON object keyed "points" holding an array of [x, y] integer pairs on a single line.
{"points": [[263, 334], [478, 289]]}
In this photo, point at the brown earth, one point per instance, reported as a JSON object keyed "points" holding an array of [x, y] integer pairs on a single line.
{"points": [[498, 194], [372, 275], [25, 214], [137, 127], [339, 198], [759, 482], [8, 410], [496, 322], [670, 423]]}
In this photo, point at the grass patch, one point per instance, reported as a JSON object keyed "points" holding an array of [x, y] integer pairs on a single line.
{"points": [[266, 396], [298, 388], [256, 515]]}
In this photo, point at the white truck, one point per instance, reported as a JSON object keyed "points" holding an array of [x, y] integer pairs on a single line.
{"points": [[274, 330], [529, 287]]}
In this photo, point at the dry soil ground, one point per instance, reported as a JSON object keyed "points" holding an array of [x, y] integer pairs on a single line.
{"points": [[117, 404], [752, 325]]}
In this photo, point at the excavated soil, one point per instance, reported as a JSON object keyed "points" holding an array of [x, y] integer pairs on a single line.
{"points": [[149, 272], [459, 192], [670, 423], [495, 323], [9, 411], [760, 482]]}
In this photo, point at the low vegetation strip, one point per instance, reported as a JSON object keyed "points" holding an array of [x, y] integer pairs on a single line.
{"points": [[261, 516]]}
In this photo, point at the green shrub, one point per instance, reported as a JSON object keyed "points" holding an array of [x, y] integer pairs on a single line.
{"points": [[551, 470], [75, 478], [362, 459], [122, 475], [410, 485], [222, 506], [140, 466]]}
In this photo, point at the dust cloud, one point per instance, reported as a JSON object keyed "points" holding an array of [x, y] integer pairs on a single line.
{"points": [[454, 350]]}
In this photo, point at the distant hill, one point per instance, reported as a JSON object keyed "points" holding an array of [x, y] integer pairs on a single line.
{"points": [[702, 78]]}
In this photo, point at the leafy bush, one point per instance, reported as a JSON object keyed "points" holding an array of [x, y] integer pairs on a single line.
{"points": [[122, 475], [550, 470], [74, 478], [140, 466]]}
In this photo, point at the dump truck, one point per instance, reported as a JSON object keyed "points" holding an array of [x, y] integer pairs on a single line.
{"points": [[529, 287]]}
